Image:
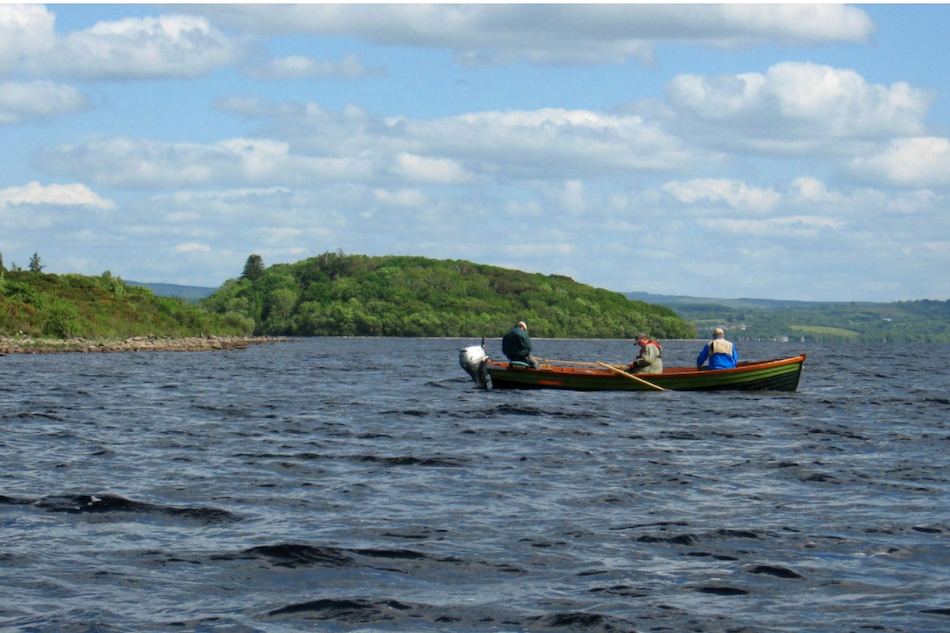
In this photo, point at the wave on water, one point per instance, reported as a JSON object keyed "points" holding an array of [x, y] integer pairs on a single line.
{"points": [[108, 504]]}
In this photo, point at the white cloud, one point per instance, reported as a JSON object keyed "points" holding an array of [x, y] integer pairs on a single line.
{"points": [[300, 67], [37, 100], [167, 46], [433, 170], [131, 163], [409, 198], [792, 226], [309, 143], [482, 34], [277, 236], [193, 247], [572, 197], [737, 195], [25, 30], [907, 162], [795, 108], [56, 195]]}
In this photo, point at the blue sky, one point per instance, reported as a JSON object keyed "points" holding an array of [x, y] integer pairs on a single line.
{"points": [[745, 150]]}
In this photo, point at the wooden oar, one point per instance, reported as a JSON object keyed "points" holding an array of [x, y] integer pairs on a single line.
{"points": [[631, 376]]}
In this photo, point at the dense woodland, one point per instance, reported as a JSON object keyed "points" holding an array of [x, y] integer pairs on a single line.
{"points": [[335, 294]]}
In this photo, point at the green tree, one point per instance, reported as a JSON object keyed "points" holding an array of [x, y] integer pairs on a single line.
{"points": [[253, 268], [36, 265]]}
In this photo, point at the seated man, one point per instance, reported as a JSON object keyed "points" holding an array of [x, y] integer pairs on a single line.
{"points": [[650, 358], [516, 345], [721, 353]]}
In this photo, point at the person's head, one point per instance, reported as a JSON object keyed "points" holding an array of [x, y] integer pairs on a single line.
{"points": [[718, 333], [523, 325], [642, 338]]}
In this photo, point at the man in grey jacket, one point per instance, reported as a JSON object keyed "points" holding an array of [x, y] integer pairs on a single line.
{"points": [[650, 359]]}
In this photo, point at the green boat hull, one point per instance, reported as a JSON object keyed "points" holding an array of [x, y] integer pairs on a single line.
{"points": [[774, 375]]}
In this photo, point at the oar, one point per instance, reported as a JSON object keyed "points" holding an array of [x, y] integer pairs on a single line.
{"points": [[631, 376]]}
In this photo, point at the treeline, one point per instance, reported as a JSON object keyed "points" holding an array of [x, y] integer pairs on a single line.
{"points": [[335, 294], [38, 304]]}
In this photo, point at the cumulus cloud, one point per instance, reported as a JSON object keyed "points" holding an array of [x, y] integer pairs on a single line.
{"points": [[56, 195], [167, 46], [795, 108], [146, 163], [300, 67], [482, 34], [907, 162], [426, 169], [735, 194], [25, 30], [37, 100], [309, 143], [162, 47]]}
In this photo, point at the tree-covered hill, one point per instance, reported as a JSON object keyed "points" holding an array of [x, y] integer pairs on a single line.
{"points": [[38, 304], [356, 295]]}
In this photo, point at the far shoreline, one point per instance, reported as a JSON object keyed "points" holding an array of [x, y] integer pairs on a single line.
{"points": [[150, 343]]}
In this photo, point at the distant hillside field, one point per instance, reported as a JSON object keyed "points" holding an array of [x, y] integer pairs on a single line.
{"points": [[355, 295], [191, 294], [923, 321]]}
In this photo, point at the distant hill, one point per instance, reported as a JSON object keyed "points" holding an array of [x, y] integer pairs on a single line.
{"points": [[356, 295], [191, 294], [673, 301], [768, 319]]}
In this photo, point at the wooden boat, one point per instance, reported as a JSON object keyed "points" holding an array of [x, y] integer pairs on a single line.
{"points": [[781, 374]]}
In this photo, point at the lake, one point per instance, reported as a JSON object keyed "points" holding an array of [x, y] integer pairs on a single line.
{"points": [[367, 485]]}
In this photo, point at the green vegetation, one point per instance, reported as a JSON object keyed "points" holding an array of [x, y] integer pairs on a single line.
{"points": [[757, 319], [355, 295], [38, 304]]}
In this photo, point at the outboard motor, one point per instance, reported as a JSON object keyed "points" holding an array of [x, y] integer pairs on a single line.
{"points": [[473, 359]]}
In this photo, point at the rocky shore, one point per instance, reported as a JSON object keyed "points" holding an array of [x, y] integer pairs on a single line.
{"points": [[28, 345]]}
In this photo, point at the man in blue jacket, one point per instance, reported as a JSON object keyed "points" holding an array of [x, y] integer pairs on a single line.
{"points": [[516, 345], [721, 353]]}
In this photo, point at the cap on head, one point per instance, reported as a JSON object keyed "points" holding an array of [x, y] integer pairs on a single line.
{"points": [[522, 325], [718, 332], [641, 336]]}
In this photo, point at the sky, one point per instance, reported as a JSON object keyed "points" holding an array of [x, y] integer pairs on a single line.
{"points": [[743, 150]]}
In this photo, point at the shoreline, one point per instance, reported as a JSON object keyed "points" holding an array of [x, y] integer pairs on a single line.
{"points": [[29, 345]]}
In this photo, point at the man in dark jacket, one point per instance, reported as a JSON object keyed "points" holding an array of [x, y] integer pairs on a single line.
{"points": [[516, 345]]}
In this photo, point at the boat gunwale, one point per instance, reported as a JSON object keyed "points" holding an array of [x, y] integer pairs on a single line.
{"points": [[683, 372]]}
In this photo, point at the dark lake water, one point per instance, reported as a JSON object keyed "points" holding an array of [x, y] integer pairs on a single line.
{"points": [[366, 485]]}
